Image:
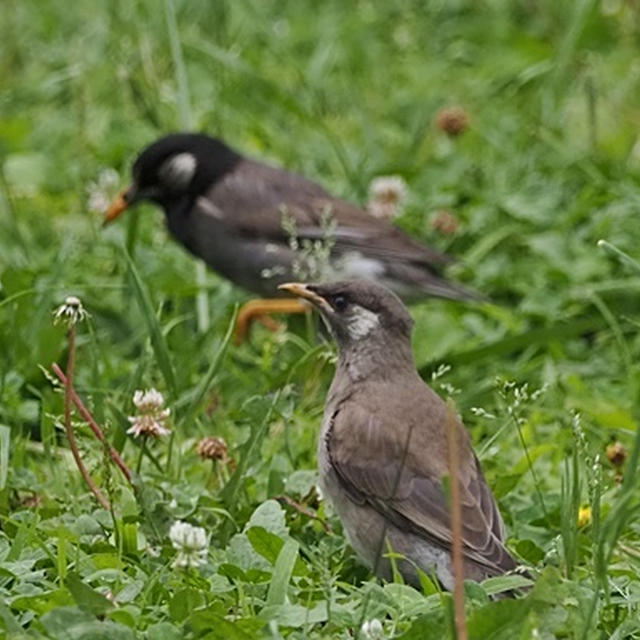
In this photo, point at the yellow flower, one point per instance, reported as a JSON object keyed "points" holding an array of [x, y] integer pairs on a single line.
{"points": [[584, 516]]}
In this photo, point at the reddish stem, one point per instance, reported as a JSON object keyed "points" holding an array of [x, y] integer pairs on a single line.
{"points": [[453, 435], [67, 422], [304, 511], [88, 418]]}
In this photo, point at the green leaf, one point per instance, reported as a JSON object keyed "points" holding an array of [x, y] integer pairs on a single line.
{"points": [[300, 482], [217, 626], [164, 631], [270, 516], [129, 537], [501, 620], [295, 615], [529, 550], [11, 625], [282, 573], [184, 602], [71, 623], [500, 584], [430, 625], [267, 544], [85, 597], [129, 591]]}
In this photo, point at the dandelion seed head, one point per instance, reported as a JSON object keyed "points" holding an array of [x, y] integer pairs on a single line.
{"points": [[70, 312]]}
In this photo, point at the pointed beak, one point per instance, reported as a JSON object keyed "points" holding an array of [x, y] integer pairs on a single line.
{"points": [[119, 204], [305, 292]]}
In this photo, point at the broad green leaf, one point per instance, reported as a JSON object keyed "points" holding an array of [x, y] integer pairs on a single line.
{"points": [[85, 597]]}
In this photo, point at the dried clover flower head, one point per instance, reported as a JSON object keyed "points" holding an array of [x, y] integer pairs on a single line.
{"points": [[386, 193], [150, 419], [70, 312], [452, 120], [212, 448], [444, 221], [190, 542], [616, 453]]}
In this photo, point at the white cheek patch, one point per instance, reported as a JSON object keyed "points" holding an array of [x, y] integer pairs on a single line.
{"points": [[362, 322], [178, 170]]}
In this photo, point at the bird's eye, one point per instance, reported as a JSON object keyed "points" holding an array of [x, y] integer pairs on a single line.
{"points": [[339, 302]]}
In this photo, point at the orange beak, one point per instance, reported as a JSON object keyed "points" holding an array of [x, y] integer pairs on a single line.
{"points": [[118, 205]]}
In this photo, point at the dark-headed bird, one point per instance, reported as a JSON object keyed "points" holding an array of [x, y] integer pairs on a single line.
{"points": [[244, 218]]}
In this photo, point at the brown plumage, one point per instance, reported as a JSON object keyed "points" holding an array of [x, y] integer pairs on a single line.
{"points": [[382, 451]]}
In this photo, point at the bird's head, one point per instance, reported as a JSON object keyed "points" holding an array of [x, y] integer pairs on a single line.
{"points": [[358, 311], [175, 166]]}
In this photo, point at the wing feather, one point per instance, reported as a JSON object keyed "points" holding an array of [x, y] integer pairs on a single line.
{"points": [[375, 466], [254, 197]]}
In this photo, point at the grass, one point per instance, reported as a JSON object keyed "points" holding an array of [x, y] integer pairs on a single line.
{"points": [[545, 377]]}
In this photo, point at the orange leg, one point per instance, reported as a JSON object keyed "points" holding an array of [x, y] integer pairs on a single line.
{"points": [[260, 310]]}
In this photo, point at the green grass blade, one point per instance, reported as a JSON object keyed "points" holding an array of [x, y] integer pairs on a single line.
{"points": [[253, 444], [620, 256], [185, 116], [207, 380], [282, 573], [5, 444], [158, 342]]}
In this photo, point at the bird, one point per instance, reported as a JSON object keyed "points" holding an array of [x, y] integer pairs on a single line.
{"points": [[383, 446], [245, 219]]}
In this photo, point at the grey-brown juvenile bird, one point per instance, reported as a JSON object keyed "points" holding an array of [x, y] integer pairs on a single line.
{"points": [[382, 451]]}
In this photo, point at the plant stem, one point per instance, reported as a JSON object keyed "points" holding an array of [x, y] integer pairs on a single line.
{"points": [[88, 418], [456, 522], [67, 422], [143, 449]]}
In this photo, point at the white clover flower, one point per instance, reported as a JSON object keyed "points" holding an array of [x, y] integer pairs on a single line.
{"points": [[372, 630], [70, 312], [151, 416], [190, 542], [386, 194], [148, 401], [101, 190]]}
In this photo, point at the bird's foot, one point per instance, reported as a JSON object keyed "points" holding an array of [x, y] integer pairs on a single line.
{"points": [[261, 310]]}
